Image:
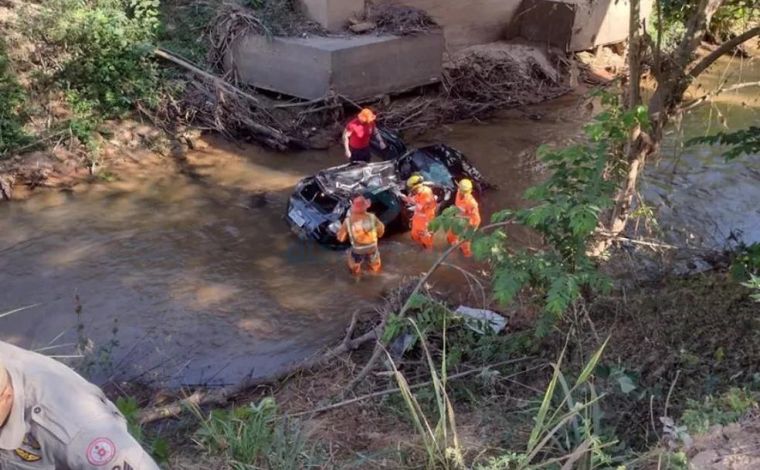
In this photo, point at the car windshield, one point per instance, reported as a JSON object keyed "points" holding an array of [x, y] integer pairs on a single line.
{"points": [[325, 203], [432, 170]]}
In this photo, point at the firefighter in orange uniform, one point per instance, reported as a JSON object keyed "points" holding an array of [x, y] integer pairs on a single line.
{"points": [[363, 230], [468, 209], [424, 210]]}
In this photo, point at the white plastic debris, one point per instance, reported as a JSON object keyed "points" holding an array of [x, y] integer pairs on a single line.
{"points": [[482, 318]]}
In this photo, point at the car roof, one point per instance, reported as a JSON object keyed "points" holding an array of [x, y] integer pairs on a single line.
{"points": [[352, 177]]}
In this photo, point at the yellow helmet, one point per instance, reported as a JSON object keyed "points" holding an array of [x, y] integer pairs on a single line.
{"points": [[414, 181], [465, 185]]}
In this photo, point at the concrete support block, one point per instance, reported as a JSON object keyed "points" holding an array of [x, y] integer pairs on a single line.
{"points": [[534, 16], [603, 22], [466, 22], [358, 67], [332, 14]]}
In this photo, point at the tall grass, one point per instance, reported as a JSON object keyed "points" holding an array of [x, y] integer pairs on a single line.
{"points": [[567, 432], [250, 437], [439, 437]]}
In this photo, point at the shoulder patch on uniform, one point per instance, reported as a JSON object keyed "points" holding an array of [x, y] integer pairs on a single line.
{"points": [[27, 456], [101, 451]]}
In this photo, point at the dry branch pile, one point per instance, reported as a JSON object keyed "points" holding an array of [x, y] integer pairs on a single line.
{"points": [[478, 81], [401, 19], [227, 27], [283, 18], [272, 18]]}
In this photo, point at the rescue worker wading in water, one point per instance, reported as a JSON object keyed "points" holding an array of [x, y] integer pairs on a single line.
{"points": [[468, 209], [424, 210], [358, 134], [363, 230]]}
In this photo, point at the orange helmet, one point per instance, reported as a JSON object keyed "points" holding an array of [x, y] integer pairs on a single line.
{"points": [[366, 116]]}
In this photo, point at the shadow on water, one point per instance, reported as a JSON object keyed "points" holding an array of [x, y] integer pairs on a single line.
{"points": [[207, 284]]}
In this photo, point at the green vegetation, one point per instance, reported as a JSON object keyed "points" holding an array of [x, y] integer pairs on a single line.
{"points": [[725, 409], [567, 429], [745, 262], [754, 284], [12, 99], [158, 447], [98, 61], [104, 49], [439, 438], [183, 28], [582, 181], [253, 437], [741, 142], [731, 15]]}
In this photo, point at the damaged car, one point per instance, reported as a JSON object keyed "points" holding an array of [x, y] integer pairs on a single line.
{"points": [[320, 202]]}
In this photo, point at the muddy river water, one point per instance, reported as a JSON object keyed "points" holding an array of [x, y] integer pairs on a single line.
{"points": [[196, 276]]}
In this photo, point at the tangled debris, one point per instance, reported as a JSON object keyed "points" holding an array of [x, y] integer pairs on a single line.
{"points": [[401, 19], [270, 18], [478, 81]]}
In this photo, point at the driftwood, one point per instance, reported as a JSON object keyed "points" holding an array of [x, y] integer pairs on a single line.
{"points": [[220, 105], [222, 395]]}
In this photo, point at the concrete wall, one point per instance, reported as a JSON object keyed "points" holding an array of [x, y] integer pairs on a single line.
{"points": [[358, 67], [286, 65], [388, 65], [466, 22], [603, 22], [470, 22], [332, 14]]}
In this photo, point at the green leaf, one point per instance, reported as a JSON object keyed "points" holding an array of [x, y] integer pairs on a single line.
{"points": [[626, 384], [502, 216], [591, 364]]}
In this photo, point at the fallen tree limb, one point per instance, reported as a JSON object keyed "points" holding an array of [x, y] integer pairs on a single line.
{"points": [[708, 96], [708, 60], [222, 395], [176, 60], [389, 391]]}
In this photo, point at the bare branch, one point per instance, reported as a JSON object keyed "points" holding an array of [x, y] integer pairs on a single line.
{"points": [[707, 61], [709, 96], [412, 387]]}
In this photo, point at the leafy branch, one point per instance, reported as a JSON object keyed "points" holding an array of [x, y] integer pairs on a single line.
{"points": [[566, 210], [745, 141]]}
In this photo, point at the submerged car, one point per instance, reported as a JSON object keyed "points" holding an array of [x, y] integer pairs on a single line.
{"points": [[320, 202]]}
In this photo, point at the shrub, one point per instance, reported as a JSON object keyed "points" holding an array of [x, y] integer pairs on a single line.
{"points": [[12, 98], [726, 409], [252, 437], [104, 48]]}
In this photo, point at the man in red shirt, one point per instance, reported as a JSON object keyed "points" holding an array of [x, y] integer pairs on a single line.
{"points": [[358, 134]]}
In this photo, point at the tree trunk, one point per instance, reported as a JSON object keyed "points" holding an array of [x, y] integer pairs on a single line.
{"points": [[671, 86], [634, 54]]}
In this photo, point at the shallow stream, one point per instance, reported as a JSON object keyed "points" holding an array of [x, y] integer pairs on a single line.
{"points": [[192, 270]]}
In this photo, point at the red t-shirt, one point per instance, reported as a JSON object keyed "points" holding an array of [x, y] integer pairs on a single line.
{"points": [[360, 133]]}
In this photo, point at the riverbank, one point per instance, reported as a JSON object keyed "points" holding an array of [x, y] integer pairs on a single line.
{"points": [[672, 376]]}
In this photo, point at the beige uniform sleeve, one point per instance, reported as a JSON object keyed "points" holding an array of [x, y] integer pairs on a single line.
{"points": [[107, 445]]}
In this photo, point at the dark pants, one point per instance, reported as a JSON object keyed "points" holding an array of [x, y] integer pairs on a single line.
{"points": [[361, 155]]}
